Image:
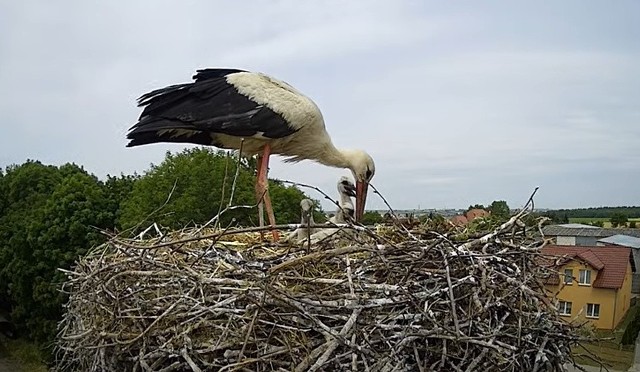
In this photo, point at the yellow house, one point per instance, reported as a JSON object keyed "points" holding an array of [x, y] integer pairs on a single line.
{"points": [[594, 283]]}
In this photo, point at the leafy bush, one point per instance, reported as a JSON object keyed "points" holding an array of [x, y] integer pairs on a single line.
{"points": [[631, 332], [199, 183], [49, 216]]}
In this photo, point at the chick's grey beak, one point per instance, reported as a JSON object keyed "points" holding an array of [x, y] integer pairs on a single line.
{"points": [[350, 190]]}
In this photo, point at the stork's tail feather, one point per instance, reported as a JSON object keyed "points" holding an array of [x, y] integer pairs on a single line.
{"points": [[169, 135], [152, 130]]}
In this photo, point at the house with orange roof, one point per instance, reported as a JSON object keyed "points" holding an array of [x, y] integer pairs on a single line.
{"points": [[474, 213], [470, 215], [593, 283], [459, 220]]}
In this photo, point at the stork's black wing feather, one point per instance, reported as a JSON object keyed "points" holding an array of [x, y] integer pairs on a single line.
{"points": [[210, 105], [212, 73]]}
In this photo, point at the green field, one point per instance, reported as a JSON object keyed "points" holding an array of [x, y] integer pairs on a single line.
{"points": [[613, 354], [22, 354], [587, 220]]}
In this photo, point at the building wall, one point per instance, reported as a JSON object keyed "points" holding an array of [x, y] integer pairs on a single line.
{"points": [[588, 241], [623, 301], [566, 240], [580, 295]]}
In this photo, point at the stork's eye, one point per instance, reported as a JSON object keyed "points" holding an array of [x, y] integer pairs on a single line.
{"points": [[368, 174]]}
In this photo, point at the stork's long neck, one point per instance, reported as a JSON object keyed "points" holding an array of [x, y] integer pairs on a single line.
{"points": [[335, 157], [345, 201], [345, 209]]}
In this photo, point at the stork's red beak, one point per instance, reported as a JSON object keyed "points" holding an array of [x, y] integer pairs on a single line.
{"points": [[361, 198]]}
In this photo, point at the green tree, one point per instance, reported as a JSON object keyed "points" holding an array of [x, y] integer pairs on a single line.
{"points": [[597, 223], [371, 218], [286, 203], [195, 179], [477, 206], [52, 216], [499, 210], [118, 190], [631, 331], [24, 190], [3, 194], [618, 219]]}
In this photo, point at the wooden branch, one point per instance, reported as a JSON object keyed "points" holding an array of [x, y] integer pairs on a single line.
{"points": [[373, 302]]}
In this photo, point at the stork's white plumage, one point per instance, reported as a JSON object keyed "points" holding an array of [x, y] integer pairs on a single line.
{"points": [[233, 109]]}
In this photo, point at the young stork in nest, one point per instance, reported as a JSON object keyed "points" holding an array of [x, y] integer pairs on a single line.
{"points": [[344, 214], [306, 220], [252, 112]]}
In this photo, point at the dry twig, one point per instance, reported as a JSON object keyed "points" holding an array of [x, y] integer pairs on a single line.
{"points": [[416, 304]]}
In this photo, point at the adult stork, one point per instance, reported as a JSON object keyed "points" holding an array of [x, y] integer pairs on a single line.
{"points": [[259, 114]]}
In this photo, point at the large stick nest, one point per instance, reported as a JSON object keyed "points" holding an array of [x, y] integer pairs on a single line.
{"points": [[398, 301]]}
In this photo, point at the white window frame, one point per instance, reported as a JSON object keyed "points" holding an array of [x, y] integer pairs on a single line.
{"points": [[587, 276], [564, 308], [568, 276], [591, 311]]}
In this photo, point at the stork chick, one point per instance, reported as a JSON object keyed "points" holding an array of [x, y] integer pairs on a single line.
{"points": [[345, 212], [303, 232]]}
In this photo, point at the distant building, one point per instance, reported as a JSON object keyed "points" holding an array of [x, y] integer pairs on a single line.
{"points": [[468, 216], [472, 214], [594, 283], [578, 226], [459, 220], [586, 235], [621, 240], [583, 235], [634, 244]]}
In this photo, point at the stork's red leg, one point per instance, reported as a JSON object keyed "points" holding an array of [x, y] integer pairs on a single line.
{"points": [[263, 187], [260, 193]]}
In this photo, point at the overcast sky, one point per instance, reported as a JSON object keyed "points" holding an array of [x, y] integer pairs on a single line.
{"points": [[458, 102]]}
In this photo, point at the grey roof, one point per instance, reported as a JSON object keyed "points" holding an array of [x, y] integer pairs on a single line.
{"points": [[623, 240], [559, 230], [578, 226]]}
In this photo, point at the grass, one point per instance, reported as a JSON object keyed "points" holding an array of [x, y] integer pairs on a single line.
{"points": [[613, 354], [24, 353], [613, 358], [587, 220]]}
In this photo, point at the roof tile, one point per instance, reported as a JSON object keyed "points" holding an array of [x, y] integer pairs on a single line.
{"points": [[610, 261]]}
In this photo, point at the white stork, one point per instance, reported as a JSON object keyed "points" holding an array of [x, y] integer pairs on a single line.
{"points": [[229, 107]]}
